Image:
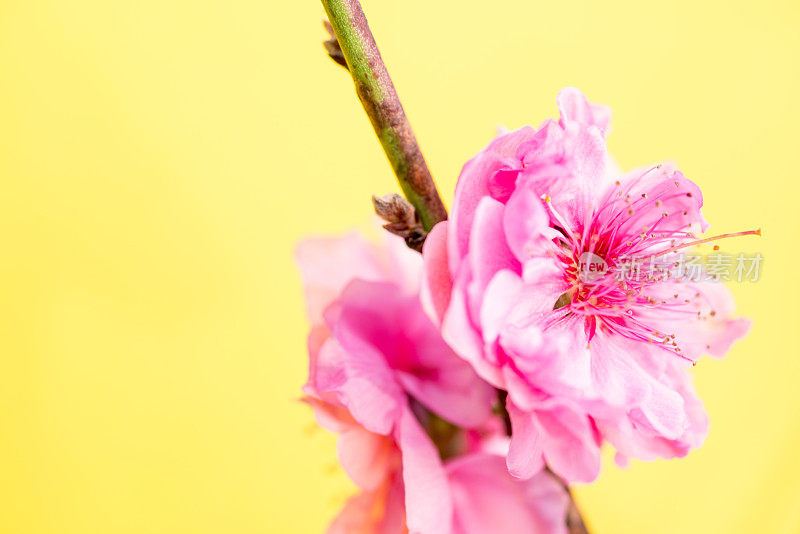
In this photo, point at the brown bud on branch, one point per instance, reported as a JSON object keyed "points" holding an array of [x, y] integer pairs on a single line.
{"points": [[332, 45], [401, 219]]}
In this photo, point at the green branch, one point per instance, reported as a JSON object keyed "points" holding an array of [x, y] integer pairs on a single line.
{"points": [[379, 98]]}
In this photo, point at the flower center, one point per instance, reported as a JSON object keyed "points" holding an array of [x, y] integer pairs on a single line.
{"points": [[608, 265]]}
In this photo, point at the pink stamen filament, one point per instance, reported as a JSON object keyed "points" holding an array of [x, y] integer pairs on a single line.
{"points": [[701, 241]]}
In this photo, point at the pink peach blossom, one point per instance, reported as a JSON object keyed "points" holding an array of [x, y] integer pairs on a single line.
{"points": [[505, 279], [372, 350]]}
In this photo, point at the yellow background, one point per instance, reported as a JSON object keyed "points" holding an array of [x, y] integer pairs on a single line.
{"points": [[159, 159]]}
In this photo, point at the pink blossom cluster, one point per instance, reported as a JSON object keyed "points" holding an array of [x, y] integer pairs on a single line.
{"points": [[470, 384]]}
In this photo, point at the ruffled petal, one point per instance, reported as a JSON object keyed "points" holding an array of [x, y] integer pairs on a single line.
{"points": [[461, 333], [327, 265], [380, 511], [487, 499], [525, 453], [556, 434], [575, 107], [699, 315], [362, 382], [473, 185], [489, 252], [437, 284], [367, 458], [429, 506], [526, 225]]}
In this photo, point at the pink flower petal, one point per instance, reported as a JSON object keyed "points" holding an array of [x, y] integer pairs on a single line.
{"points": [[437, 284], [487, 499], [574, 106], [429, 505]]}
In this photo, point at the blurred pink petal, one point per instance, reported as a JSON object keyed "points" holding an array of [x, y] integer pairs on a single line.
{"points": [[487, 499], [372, 353]]}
